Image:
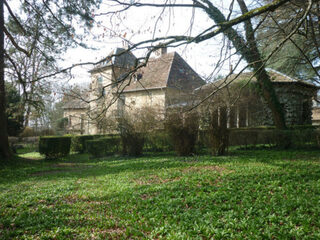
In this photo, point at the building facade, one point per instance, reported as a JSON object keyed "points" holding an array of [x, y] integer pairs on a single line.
{"points": [[115, 88], [167, 81]]}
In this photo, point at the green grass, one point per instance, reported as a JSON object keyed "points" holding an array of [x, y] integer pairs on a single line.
{"points": [[246, 195]]}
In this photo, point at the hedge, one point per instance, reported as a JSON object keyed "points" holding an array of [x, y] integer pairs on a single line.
{"points": [[54, 147], [78, 143], [132, 143], [295, 137], [157, 141], [103, 146]]}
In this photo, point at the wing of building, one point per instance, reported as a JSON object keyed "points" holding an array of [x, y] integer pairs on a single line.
{"points": [[239, 93]]}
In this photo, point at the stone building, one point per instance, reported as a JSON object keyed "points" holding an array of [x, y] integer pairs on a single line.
{"points": [[165, 81], [75, 111], [316, 116], [245, 108]]}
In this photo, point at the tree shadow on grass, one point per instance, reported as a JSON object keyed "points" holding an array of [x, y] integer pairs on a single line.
{"points": [[81, 166], [194, 204]]}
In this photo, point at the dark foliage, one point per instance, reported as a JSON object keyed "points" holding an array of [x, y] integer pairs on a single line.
{"points": [[14, 112], [78, 143], [182, 128], [218, 134], [54, 147], [158, 141], [103, 146], [296, 137], [132, 144]]}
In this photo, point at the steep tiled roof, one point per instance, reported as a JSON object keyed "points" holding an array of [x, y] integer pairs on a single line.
{"points": [[169, 70]]}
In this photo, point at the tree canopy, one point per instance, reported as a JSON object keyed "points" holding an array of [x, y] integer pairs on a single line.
{"points": [[299, 56], [37, 29], [15, 113]]}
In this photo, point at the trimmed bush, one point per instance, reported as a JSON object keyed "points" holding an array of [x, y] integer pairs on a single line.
{"points": [[182, 128], [295, 138], [78, 143], [101, 147], [132, 143], [54, 147], [134, 128], [218, 132]]}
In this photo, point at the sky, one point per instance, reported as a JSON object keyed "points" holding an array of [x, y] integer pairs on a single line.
{"points": [[139, 24]]}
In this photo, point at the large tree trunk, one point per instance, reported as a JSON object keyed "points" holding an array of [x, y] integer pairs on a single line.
{"points": [[253, 56], [249, 51], [4, 142]]}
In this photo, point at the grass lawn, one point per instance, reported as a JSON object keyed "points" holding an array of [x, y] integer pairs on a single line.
{"points": [[246, 195]]}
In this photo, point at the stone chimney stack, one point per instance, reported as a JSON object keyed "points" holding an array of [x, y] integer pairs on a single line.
{"points": [[163, 51], [125, 45]]}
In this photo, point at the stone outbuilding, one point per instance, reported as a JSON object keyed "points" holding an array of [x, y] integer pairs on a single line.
{"points": [[245, 108], [75, 111]]}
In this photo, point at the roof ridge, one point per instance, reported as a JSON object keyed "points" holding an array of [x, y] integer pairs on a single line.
{"points": [[170, 68], [161, 56]]}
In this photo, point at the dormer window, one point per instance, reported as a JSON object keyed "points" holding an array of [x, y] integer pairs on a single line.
{"points": [[137, 76], [100, 79]]}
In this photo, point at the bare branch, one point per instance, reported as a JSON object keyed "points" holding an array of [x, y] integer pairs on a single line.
{"points": [[14, 17], [11, 38]]}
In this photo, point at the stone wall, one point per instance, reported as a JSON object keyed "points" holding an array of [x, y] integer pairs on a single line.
{"points": [[316, 116], [78, 122], [296, 101]]}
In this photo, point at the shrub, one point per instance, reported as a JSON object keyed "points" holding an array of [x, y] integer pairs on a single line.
{"points": [[182, 128], [218, 132], [46, 132], [247, 137], [132, 143], [28, 132], [295, 138], [33, 140], [134, 126], [158, 141], [78, 143], [13, 140], [54, 147], [103, 146]]}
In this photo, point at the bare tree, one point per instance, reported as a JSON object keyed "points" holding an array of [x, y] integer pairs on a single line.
{"points": [[239, 28]]}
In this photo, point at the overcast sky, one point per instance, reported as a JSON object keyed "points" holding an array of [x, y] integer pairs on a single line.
{"points": [[138, 24]]}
